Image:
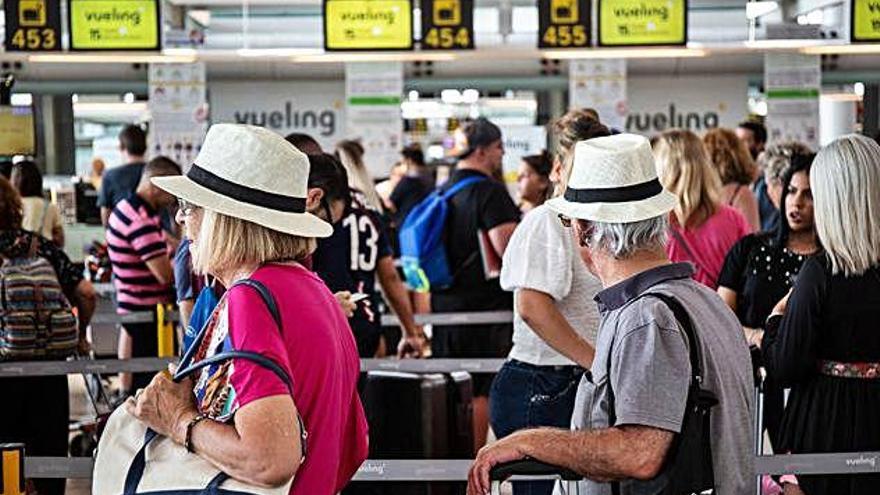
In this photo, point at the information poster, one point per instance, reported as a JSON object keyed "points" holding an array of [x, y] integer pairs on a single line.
{"points": [[33, 25], [600, 85], [520, 141], [373, 94], [563, 23], [179, 109], [368, 25], [16, 131], [447, 24], [793, 83], [642, 22], [114, 25], [865, 20]]}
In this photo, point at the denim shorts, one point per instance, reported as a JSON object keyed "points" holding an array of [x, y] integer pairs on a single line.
{"points": [[523, 396]]}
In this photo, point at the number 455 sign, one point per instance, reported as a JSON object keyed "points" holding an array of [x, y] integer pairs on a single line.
{"points": [[33, 25], [563, 23]]}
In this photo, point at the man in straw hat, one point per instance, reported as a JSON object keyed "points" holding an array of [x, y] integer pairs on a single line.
{"points": [[629, 417]]}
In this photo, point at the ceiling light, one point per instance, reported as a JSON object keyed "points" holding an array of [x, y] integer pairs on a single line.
{"points": [[867, 49], [626, 53], [859, 89], [110, 58], [374, 57]]}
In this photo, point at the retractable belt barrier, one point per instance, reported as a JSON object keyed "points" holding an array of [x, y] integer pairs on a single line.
{"points": [[146, 365], [471, 318], [456, 470]]}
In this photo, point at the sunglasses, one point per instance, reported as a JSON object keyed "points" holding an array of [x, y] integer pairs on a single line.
{"points": [[185, 207], [564, 220]]}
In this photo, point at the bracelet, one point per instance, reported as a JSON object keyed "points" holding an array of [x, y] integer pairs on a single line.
{"points": [[189, 429]]}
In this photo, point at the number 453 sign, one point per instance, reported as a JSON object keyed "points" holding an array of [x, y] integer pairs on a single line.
{"points": [[33, 25], [563, 23]]}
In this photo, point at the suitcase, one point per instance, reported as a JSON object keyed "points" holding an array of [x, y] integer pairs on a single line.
{"points": [[417, 416]]}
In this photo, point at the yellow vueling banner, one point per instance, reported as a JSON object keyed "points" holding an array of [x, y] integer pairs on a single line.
{"points": [[865, 20], [642, 22], [114, 25], [368, 25]]}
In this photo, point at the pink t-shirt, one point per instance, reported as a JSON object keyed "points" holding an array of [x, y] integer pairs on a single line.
{"points": [[318, 349], [709, 243]]}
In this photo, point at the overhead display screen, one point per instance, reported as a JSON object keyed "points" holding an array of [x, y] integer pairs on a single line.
{"points": [[642, 22], [368, 25], [33, 25], [865, 20], [563, 23], [447, 24], [114, 25]]}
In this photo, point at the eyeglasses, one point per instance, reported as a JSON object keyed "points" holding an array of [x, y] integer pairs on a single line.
{"points": [[185, 207], [566, 222]]}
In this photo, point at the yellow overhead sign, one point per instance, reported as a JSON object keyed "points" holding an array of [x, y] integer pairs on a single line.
{"points": [[114, 25], [642, 22], [865, 20], [367, 25]]}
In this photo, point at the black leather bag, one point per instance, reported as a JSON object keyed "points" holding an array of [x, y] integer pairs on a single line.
{"points": [[688, 467]]}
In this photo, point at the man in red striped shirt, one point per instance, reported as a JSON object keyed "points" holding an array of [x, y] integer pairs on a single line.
{"points": [[142, 270]]}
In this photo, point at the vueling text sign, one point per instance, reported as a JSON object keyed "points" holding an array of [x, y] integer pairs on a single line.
{"points": [[642, 22], [367, 25], [865, 20], [114, 25]]}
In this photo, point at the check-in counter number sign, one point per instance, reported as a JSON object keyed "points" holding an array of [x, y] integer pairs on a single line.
{"points": [[563, 23], [448, 25], [32, 25]]}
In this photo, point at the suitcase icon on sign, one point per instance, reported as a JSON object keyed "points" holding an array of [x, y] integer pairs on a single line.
{"points": [[564, 11], [31, 13], [447, 12]]}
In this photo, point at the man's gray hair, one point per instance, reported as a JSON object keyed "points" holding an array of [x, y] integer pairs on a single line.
{"points": [[622, 240]]}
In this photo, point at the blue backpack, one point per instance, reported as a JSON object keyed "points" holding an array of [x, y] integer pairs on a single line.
{"points": [[422, 252]]}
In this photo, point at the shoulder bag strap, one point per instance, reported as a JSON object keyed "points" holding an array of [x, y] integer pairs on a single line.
{"points": [[687, 249], [693, 342]]}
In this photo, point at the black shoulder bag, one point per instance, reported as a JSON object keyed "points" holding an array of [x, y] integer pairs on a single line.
{"points": [[688, 465]]}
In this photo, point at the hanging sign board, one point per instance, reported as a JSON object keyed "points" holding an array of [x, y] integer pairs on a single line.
{"points": [[368, 25], [865, 20], [33, 25], [642, 22], [563, 23], [447, 24], [114, 25]]}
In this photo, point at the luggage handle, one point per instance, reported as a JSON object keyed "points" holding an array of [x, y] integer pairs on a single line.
{"points": [[531, 467]]}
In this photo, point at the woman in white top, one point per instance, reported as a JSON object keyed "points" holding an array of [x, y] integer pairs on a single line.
{"points": [[555, 317], [40, 215]]}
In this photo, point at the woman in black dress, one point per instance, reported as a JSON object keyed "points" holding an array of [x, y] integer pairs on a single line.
{"points": [[822, 341], [760, 269]]}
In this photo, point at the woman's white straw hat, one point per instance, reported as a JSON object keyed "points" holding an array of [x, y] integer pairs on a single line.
{"points": [[613, 179], [253, 174]]}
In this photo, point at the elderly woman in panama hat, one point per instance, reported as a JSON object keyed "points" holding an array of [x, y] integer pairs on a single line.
{"points": [[243, 204]]}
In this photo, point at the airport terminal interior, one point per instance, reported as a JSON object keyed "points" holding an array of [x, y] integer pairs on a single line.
{"points": [[437, 247]]}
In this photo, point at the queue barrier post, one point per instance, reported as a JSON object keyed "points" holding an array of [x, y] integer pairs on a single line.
{"points": [[12, 481], [165, 329]]}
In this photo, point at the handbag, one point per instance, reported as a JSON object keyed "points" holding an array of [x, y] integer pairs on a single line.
{"points": [[133, 459], [688, 466]]}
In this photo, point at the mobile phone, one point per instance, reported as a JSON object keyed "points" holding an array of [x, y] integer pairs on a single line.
{"points": [[359, 296]]}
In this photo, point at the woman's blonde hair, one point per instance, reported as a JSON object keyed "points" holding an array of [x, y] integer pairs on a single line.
{"points": [[351, 155], [730, 156], [576, 125], [845, 179], [684, 169], [226, 242]]}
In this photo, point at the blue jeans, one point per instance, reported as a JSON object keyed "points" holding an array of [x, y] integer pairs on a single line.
{"points": [[524, 396]]}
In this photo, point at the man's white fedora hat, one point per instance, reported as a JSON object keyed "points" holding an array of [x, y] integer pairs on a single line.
{"points": [[613, 179], [253, 174]]}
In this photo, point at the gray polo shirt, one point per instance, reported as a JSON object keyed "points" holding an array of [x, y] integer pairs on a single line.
{"points": [[650, 372]]}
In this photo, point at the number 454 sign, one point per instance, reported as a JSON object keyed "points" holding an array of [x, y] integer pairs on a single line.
{"points": [[33, 25], [447, 24]]}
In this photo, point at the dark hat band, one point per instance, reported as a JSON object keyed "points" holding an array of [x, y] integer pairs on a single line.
{"points": [[245, 194], [623, 194]]}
